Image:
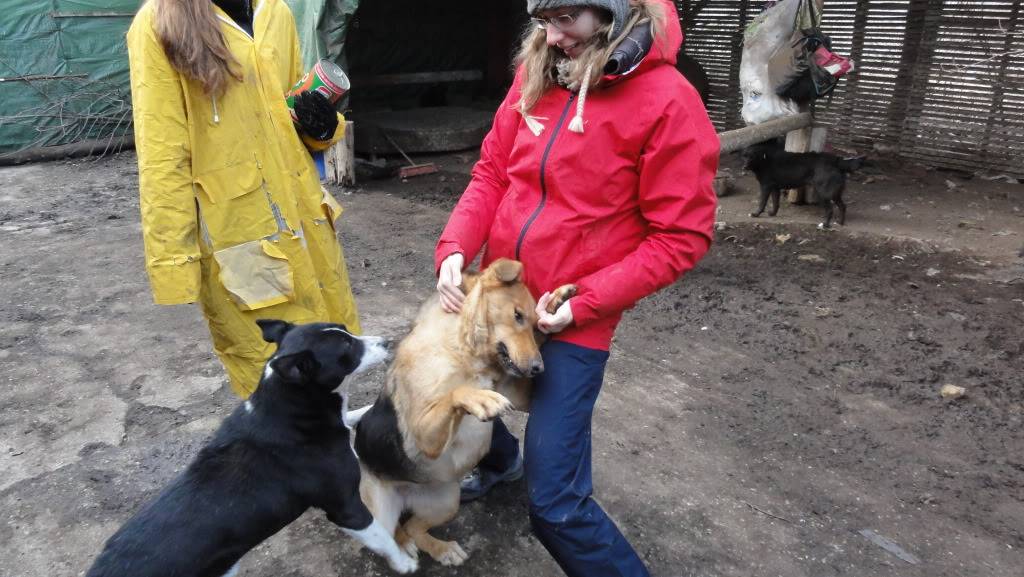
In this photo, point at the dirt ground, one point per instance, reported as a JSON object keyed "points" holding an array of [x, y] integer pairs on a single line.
{"points": [[777, 412]]}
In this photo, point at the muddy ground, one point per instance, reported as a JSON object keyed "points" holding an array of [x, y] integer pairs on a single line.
{"points": [[764, 416]]}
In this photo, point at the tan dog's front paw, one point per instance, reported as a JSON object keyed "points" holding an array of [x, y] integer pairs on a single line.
{"points": [[484, 405], [452, 554], [406, 543], [559, 296]]}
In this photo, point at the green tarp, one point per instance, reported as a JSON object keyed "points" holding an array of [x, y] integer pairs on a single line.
{"points": [[323, 25], [64, 68]]}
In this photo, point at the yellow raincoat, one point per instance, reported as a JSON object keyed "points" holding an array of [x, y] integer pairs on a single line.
{"points": [[233, 214]]}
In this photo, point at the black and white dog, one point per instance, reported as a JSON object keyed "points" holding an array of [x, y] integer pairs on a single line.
{"points": [[777, 169], [281, 452]]}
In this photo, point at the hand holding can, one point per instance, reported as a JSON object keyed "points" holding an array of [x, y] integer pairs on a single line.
{"points": [[325, 77]]}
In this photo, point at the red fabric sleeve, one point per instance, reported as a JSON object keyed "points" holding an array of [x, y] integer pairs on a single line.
{"points": [[471, 219], [676, 169]]}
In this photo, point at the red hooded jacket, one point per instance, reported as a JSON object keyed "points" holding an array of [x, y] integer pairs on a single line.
{"points": [[622, 209]]}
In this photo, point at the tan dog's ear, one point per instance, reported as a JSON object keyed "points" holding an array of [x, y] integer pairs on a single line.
{"points": [[505, 270], [473, 317]]}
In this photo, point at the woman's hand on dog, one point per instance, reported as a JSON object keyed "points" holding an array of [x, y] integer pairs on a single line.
{"points": [[449, 279], [549, 323]]}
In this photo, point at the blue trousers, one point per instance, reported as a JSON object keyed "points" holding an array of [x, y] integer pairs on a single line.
{"points": [[568, 522]]}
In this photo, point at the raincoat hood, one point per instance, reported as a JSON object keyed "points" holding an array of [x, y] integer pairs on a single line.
{"points": [[661, 52]]}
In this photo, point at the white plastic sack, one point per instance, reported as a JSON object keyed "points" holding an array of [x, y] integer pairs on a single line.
{"points": [[770, 31]]}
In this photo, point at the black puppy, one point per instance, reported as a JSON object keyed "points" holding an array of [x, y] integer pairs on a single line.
{"points": [[279, 453], [777, 169]]}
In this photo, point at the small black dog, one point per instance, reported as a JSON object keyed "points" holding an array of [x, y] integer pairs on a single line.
{"points": [[282, 451], [777, 169]]}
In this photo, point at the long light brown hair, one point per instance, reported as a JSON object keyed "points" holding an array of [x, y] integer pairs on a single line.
{"points": [[191, 38], [540, 61]]}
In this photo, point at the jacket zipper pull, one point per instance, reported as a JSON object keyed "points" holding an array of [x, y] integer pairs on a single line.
{"points": [[216, 116]]}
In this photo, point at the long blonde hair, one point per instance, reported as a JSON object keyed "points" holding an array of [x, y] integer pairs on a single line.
{"points": [[540, 61], [190, 34]]}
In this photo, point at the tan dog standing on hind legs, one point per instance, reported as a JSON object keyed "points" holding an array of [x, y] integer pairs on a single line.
{"points": [[430, 425]]}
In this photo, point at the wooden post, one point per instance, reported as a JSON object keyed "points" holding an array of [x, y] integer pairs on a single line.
{"points": [[340, 159], [798, 141], [819, 134], [807, 139]]}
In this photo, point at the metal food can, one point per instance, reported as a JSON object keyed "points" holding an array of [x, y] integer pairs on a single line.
{"points": [[326, 77]]}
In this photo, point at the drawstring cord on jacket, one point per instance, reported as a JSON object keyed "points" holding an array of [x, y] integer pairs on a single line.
{"points": [[577, 121], [533, 122], [576, 125]]}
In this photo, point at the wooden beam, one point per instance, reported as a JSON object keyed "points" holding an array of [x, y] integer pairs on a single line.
{"points": [[732, 140], [419, 78]]}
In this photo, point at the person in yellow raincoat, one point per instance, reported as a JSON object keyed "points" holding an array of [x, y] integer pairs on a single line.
{"points": [[233, 213]]}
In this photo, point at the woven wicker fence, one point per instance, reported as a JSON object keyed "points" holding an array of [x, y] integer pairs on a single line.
{"points": [[939, 81]]}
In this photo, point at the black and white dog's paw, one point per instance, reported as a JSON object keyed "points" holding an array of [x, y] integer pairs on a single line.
{"points": [[403, 563], [380, 541]]}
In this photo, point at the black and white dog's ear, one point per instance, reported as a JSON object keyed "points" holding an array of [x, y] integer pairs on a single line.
{"points": [[274, 330], [299, 367]]}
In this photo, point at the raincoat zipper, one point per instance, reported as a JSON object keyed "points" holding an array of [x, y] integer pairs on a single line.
{"points": [[216, 115], [252, 37], [543, 185]]}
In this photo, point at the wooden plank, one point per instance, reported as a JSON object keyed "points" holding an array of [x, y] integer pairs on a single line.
{"points": [[419, 78]]}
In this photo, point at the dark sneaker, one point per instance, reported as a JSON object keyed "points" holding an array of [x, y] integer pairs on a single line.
{"points": [[479, 481]]}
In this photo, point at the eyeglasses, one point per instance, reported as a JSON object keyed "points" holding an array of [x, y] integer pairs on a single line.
{"points": [[561, 22]]}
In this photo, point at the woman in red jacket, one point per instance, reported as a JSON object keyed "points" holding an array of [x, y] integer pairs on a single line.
{"points": [[597, 171]]}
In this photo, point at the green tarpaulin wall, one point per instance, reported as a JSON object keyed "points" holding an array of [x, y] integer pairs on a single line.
{"points": [[64, 67]]}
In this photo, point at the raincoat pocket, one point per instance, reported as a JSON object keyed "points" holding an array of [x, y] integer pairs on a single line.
{"points": [[256, 274], [230, 182], [331, 207]]}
